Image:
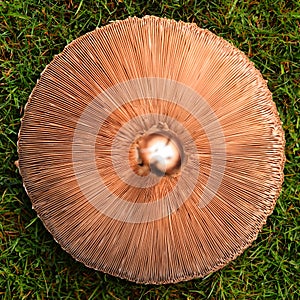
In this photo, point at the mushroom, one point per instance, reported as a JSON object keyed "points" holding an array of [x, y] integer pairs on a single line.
{"points": [[152, 150]]}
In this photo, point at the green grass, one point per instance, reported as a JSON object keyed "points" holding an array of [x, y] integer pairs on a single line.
{"points": [[32, 265]]}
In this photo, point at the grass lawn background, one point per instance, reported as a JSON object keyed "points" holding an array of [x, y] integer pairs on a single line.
{"points": [[32, 265]]}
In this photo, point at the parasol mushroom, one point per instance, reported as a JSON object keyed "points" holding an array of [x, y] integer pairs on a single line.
{"points": [[152, 150]]}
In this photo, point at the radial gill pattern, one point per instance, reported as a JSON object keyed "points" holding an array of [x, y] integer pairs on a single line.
{"points": [[152, 150]]}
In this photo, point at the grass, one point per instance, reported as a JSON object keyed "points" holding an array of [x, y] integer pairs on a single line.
{"points": [[32, 265]]}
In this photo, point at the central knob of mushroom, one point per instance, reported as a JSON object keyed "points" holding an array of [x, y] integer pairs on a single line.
{"points": [[160, 153]]}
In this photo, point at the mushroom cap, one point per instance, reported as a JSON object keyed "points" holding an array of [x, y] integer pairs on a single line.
{"points": [[182, 209]]}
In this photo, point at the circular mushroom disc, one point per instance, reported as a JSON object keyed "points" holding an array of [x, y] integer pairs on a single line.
{"points": [[152, 150]]}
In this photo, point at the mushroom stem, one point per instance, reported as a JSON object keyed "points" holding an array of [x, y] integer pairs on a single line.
{"points": [[160, 153]]}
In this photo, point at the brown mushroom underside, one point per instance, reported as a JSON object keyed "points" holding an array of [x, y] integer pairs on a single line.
{"points": [[152, 150]]}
